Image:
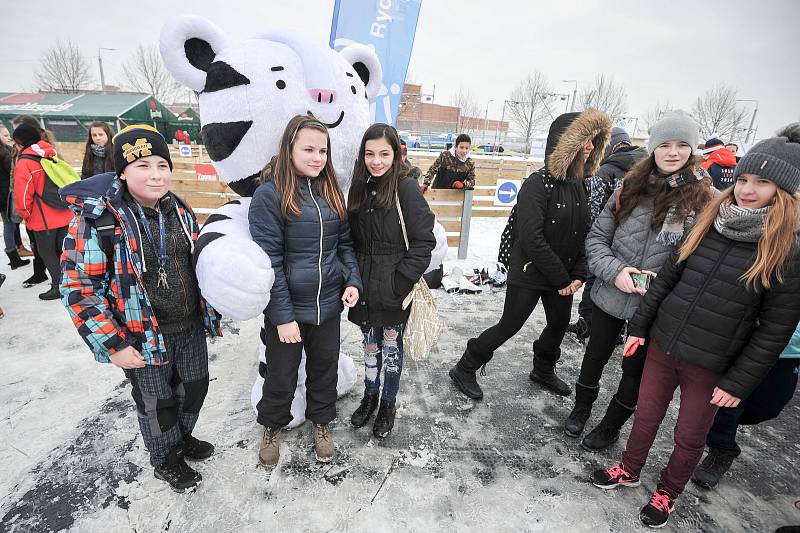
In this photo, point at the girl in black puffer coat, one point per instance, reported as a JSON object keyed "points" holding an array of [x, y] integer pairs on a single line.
{"points": [[381, 184], [548, 259], [717, 316], [298, 217]]}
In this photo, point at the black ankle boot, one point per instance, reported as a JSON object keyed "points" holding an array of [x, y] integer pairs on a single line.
{"points": [[364, 412], [384, 422], [546, 377], [177, 473], [584, 399], [463, 373], [52, 294], [35, 279], [607, 431], [15, 260]]}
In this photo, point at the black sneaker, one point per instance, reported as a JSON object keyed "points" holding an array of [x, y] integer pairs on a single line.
{"points": [[614, 477], [713, 467], [177, 473], [195, 449], [361, 416], [384, 422], [34, 280], [52, 294], [656, 513], [579, 328], [551, 382]]}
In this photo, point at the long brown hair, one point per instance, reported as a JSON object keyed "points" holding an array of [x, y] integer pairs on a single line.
{"points": [[282, 172], [774, 246], [387, 186], [32, 121], [88, 156], [687, 199]]}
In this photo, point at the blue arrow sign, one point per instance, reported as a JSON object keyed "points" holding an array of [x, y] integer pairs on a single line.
{"points": [[507, 192]]}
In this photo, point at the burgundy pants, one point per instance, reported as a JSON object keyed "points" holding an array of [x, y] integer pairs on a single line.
{"points": [[662, 374]]}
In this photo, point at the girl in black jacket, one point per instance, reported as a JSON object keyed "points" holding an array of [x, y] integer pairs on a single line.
{"points": [[381, 186], [548, 255], [717, 316], [298, 217], [98, 155]]}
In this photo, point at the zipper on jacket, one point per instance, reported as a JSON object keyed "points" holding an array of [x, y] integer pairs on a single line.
{"points": [[319, 260], [688, 313]]}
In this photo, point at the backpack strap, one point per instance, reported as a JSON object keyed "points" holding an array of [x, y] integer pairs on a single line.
{"points": [[105, 224]]}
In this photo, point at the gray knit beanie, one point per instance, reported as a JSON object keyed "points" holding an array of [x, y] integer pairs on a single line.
{"points": [[674, 126], [776, 159]]}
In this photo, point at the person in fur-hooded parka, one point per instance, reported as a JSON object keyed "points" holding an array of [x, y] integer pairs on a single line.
{"points": [[547, 256]]}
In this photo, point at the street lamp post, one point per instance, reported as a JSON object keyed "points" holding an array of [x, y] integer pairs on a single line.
{"points": [[100, 63], [486, 120], [574, 93], [752, 120]]}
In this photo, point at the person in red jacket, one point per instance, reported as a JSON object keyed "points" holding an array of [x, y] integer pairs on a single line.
{"points": [[720, 163], [46, 225]]}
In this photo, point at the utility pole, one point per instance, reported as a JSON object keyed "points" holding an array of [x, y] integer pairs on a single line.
{"points": [[574, 94], [750, 131], [100, 63], [486, 120]]}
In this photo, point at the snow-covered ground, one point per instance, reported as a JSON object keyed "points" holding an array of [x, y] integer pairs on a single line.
{"points": [[71, 458]]}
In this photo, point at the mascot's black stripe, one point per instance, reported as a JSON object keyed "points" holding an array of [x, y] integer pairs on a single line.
{"points": [[222, 76], [204, 240], [216, 217], [222, 138], [264, 337], [246, 187]]}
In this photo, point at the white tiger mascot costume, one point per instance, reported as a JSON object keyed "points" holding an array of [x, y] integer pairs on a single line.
{"points": [[248, 90]]}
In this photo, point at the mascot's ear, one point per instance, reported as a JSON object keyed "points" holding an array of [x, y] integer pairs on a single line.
{"points": [[188, 46], [365, 63]]}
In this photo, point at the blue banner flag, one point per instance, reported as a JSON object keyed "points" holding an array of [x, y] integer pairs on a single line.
{"points": [[388, 26]]}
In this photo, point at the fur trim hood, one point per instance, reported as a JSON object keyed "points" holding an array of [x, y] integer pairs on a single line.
{"points": [[590, 124]]}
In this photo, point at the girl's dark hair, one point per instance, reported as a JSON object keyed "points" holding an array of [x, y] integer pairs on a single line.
{"points": [[282, 172], [387, 185], [462, 138], [28, 119], [689, 198], [87, 169]]}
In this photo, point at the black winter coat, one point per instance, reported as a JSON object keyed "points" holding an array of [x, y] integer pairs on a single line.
{"points": [[552, 220], [610, 175], [699, 311], [5, 179], [311, 254], [389, 270]]}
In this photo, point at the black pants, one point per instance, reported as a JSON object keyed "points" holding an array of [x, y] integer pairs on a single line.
{"points": [[520, 303], [765, 403], [283, 360], [49, 245], [586, 305], [602, 340]]}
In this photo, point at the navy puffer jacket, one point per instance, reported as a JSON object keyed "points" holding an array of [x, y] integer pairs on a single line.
{"points": [[311, 254]]}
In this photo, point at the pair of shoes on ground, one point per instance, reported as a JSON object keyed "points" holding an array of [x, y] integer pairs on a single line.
{"points": [[179, 475], [269, 452], [384, 421], [455, 281], [657, 511]]}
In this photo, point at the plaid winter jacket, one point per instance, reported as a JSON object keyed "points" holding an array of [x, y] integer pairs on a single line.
{"points": [[108, 303]]}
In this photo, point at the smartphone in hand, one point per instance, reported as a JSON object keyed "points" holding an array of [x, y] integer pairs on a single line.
{"points": [[642, 280]]}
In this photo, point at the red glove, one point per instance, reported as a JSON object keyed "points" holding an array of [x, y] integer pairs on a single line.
{"points": [[423, 187], [458, 185]]}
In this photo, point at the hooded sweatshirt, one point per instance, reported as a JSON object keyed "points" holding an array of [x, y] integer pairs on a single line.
{"points": [[721, 164]]}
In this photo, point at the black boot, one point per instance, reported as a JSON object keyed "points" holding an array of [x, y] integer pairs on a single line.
{"points": [[463, 374], [384, 422], [584, 398], [713, 467], [15, 260], [38, 277], [177, 473], [52, 294], [606, 432], [364, 412], [195, 449], [580, 328]]}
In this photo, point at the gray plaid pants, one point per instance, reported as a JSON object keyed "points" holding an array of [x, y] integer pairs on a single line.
{"points": [[168, 397]]}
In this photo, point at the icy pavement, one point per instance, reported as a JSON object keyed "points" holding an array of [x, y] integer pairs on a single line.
{"points": [[71, 459]]}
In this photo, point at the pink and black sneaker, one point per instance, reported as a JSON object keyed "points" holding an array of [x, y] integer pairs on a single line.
{"points": [[614, 477], [656, 513]]}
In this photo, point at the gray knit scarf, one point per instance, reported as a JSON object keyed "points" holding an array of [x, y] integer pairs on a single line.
{"points": [[98, 150], [740, 223], [675, 223]]}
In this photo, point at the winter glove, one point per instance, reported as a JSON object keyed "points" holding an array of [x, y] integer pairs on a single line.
{"points": [[423, 187], [458, 184]]}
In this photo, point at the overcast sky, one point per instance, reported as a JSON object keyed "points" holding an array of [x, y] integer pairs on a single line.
{"points": [[660, 51]]}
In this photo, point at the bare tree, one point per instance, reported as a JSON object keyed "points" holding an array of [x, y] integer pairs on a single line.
{"points": [[527, 106], [146, 73], [606, 95], [467, 103], [655, 113], [63, 68], [717, 113]]}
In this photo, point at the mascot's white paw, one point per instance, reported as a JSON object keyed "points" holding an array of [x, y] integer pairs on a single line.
{"points": [[345, 383], [440, 251], [234, 274]]}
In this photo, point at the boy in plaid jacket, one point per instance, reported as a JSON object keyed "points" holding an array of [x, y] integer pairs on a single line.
{"points": [[137, 305]]}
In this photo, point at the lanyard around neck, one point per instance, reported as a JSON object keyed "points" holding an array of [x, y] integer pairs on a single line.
{"points": [[163, 258]]}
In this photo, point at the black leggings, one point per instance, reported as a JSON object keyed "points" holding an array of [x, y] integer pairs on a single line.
{"points": [[602, 340], [520, 303]]}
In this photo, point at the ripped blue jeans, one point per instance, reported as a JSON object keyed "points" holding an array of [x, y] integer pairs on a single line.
{"points": [[383, 349]]}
